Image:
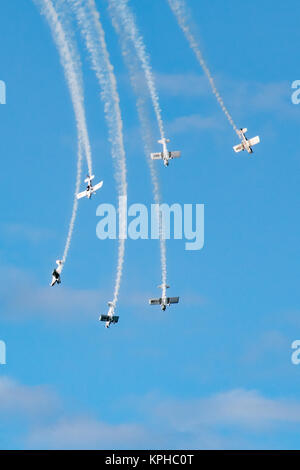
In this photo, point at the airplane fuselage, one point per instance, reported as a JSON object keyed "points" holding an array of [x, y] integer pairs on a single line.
{"points": [[165, 152], [164, 303], [55, 278], [89, 191], [247, 145], [110, 317], [166, 155]]}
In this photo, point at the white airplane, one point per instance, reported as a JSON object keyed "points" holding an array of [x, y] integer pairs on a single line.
{"points": [[90, 189], [56, 273], [246, 144], [110, 317], [164, 301], [165, 155]]}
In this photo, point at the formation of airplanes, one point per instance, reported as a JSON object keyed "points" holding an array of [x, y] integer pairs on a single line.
{"points": [[164, 301]]}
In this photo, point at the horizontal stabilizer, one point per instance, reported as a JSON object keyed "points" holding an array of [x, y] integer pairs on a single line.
{"points": [[244, 130], [89, 178], [162, 141]]}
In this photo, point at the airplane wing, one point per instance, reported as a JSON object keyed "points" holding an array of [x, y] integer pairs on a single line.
{"points": [[98, 186], [104, 318], [254, 141], [173, 300], [175, 154], [113, 319], [156, 156], [81, 195], [155, 301], [238, 148]]}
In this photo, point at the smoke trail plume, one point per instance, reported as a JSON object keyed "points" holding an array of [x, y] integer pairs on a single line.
{"points": [[122, 14], [75, 205], [132, 64], [71, 66], [94, 36], [182, 15]]}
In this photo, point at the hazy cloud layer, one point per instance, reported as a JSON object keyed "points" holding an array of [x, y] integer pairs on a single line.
{"points": [[246, 415], [86, 433], [28, 401]]}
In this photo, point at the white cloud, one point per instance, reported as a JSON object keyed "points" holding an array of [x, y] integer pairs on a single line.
{"points": [[241, 96], [23, 297], [169, 423], [239, 408], [229, 420], [27, 232], [31, 401], [191, 123], [183, 84], [86, 433]]}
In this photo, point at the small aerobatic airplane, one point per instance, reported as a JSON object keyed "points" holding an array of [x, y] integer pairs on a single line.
{"points": [[90, 189], [56, 273], [246, 144], [164, 301], [165, 155], [110, 317]]}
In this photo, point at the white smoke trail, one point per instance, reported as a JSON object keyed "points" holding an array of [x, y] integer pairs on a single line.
{"points": [[122, 14], [132, 65], [146, 134], [94, 36], [71, 66], [181, 13], [75, 205]]}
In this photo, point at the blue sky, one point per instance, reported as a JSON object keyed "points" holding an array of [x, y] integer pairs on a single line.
{"points": [[214, 371]]}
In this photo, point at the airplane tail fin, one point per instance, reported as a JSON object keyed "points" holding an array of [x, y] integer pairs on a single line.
{"points": [[89, 178], [162, 141]]}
